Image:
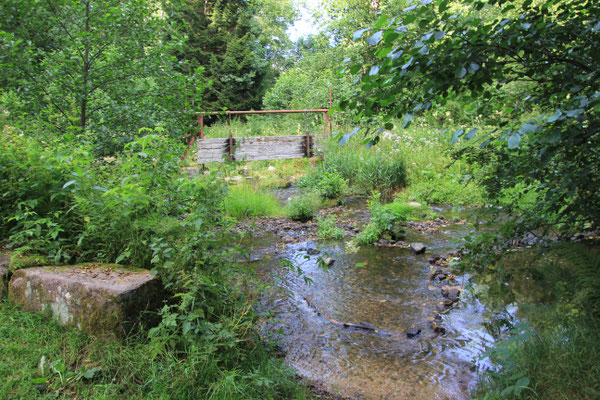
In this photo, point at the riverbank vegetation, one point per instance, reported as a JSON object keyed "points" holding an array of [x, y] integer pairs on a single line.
{"points": [[470, 103]]}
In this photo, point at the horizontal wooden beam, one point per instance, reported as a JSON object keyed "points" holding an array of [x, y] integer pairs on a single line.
{"points": [[255, 148], [318, 110]]}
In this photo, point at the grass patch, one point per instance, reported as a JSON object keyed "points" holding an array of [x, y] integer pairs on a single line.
{"points": [[245, 201], [304, 207], [366, 170], [136, 369]]}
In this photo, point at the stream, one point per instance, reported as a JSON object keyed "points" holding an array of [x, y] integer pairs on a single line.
{"points": [[389, 288]]}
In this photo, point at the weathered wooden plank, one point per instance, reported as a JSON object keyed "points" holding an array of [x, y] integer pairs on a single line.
{"points": [[212, 150], [254, 148], [271, 147]]}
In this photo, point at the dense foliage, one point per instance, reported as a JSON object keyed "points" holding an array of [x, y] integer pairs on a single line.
{"points": [[475, 51], [91, 65]]}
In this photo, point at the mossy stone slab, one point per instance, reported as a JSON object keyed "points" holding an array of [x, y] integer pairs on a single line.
{"points": [[99, 299]]}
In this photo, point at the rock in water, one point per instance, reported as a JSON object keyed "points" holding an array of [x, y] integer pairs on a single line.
{"points": [[329, 261], [412, 332], [418, 248], [99, 299], [414, 204]]}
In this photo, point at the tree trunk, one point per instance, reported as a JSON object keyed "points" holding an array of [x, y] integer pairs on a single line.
{"points": [[85, 69]]}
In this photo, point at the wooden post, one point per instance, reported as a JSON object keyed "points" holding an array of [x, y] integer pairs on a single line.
{"points": [[230, 139]]}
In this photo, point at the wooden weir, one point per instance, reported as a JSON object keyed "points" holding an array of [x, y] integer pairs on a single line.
{"points": [[255, 148]]}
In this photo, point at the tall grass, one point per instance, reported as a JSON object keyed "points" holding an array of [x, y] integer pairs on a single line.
{"points": [[244, 201]]}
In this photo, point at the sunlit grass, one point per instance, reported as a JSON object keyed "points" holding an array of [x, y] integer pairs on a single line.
{"points": [[245, 201]]}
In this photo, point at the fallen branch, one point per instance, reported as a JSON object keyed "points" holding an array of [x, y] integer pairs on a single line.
{"points": [[365, 326]]}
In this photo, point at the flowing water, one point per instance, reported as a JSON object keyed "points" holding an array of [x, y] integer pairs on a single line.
{"points": [[386, 287]]}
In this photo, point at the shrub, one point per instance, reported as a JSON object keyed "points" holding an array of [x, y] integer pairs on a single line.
{"points": [[328, 184], [384, 218], [303, 208], [327, 228]]}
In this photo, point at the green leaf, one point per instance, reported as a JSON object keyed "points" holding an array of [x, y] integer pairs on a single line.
{"points": [[456, 136], [514, 141], [373, 40], [554, 117], [347, 136], [374, 70], [90, 373], [66, 185], [473, 67], [461, 72], [575, 113], [471, 133], [527, 129], [358, 34], [38, 381]]}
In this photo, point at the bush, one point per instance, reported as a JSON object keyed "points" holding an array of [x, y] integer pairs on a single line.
{"points": [[327, 228], [384, 218], [303, 208], [328, 184]]}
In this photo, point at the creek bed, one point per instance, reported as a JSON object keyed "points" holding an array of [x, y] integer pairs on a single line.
{"points": [[385, 287]]}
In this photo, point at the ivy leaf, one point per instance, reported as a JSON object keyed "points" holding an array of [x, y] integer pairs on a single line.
{"points": [[358, 34]]}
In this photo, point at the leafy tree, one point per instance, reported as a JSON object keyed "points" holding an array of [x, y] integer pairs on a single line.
{"points": [[99, 64], [236, 49], [431, 53]]}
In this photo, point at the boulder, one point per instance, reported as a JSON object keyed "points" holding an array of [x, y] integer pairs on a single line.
{"points": [[418, 248], [312, 252], [329, 261], [99, 299], [451, 292]]}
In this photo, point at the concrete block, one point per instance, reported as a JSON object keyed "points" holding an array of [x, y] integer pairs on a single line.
{"points": [[99, 299]]}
